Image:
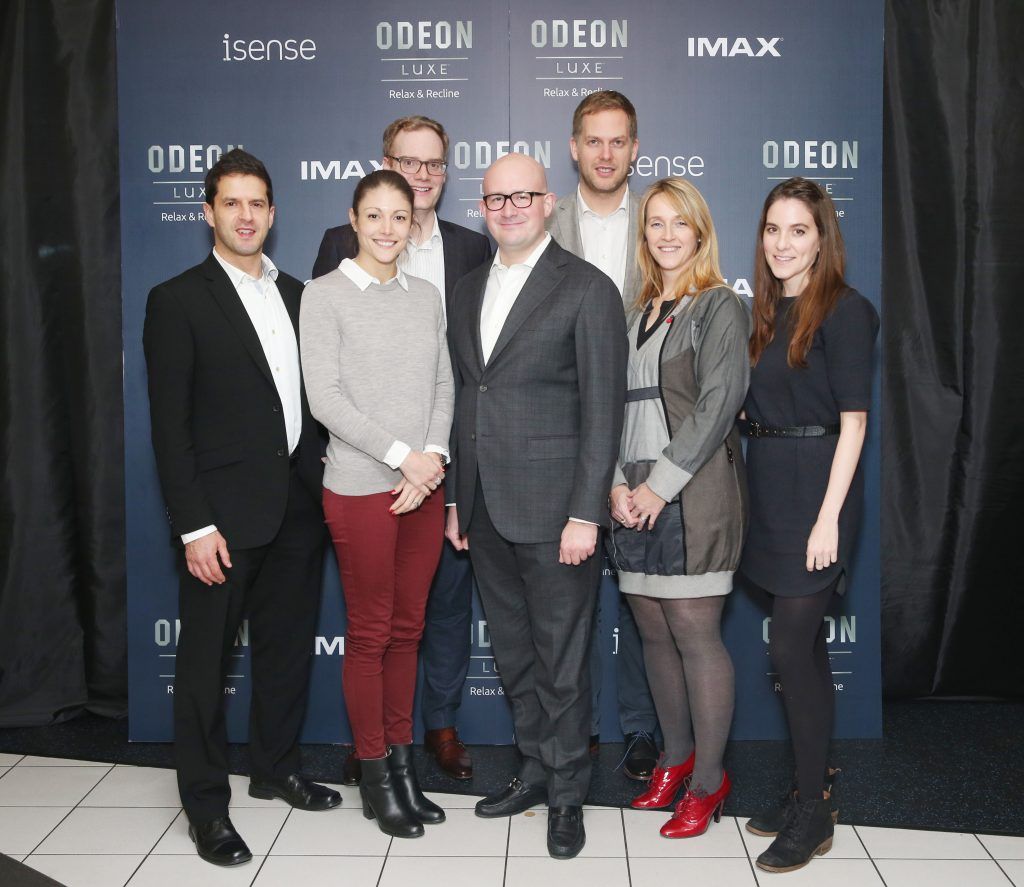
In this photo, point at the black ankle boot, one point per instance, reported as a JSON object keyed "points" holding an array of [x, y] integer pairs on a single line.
{"points": [[403, 774], [381, 801], [768, 822], [806, 833]]}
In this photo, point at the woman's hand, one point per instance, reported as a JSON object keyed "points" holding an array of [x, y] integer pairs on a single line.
{"points": [[618, 504], [645, 505], [409, 497], [423, 471], [823, 544]]}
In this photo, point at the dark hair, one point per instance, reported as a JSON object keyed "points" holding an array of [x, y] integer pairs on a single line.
{"points": [[237, 163], [410, 124], [381, 178], [824, 282], [604, 100]]}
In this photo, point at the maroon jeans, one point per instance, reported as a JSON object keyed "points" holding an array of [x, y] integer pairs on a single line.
{"points": [[387, 563]]}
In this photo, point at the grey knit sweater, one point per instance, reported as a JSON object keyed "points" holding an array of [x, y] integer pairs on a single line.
{"points": [[376, 370]]}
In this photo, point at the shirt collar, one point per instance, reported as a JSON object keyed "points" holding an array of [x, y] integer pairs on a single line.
{"points": [[363, 279], [428, 243], [237, 276], [529, 261], [585, 210]]}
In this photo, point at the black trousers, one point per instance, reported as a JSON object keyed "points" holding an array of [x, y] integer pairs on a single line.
{"points": [[539, 615], [277, 587]]}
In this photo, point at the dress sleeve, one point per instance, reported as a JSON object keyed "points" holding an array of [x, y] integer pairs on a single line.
{"points": [[848, 335]]}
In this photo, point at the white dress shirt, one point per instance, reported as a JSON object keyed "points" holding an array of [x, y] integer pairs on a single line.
{"points": [[604, 238], [504, 283], [273, 325], [397, 452], [426, 260]]}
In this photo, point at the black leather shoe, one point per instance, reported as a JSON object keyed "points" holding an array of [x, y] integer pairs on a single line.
{"points": [[297, 791], [566, 835], [381, 801], [515, 799], [217, 842], [351, 771], [641, 756], [407, 787]]}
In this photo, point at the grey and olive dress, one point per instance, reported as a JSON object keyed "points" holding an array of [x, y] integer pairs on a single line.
{"points": [[687, 379]]}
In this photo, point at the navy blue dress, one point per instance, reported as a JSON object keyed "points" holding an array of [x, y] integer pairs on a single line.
{"points": [[788, 476]]}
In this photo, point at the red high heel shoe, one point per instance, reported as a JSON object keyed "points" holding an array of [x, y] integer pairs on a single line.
{"points": [[663, 785], [693, 814]]}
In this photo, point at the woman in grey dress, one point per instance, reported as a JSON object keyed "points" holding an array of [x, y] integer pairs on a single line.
{"points": [[679, 494]]}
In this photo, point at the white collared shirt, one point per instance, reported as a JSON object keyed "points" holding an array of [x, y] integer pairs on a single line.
{"points": [[397, 452], [604, 237], [263, 303], [426, 260], [504, 283]]}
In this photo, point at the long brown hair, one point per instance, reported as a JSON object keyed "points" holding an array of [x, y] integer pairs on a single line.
{"points": [[824, 281], [703, 272]]}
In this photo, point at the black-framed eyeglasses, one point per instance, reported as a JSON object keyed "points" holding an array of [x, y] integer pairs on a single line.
{"points": [[411, 165], [520, 199]]}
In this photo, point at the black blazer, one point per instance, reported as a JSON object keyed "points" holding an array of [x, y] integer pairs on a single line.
{"points": [[463, 251], [217, 423]]}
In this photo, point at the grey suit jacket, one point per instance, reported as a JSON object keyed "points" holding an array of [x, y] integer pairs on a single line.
{"points": [[540, 422], [564, 225]]}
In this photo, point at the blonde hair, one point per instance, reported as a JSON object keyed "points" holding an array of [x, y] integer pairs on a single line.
{"points": [[702, 273]]}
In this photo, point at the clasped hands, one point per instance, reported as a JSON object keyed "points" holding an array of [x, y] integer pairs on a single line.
{"points": [[635, 508], [422, 473]]}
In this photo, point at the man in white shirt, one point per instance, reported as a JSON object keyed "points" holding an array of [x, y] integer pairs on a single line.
{"points": [[598, 222], [440, 252], [238, 457]]}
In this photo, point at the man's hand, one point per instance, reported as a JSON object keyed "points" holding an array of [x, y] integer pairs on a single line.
{"points": [[201, 558], [423, 471], [579, 541], [451, 530]]}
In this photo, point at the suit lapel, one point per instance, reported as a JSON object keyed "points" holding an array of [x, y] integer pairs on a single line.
{"points": [[453, 260], [569, 225], [631, 280], [227, 299]]}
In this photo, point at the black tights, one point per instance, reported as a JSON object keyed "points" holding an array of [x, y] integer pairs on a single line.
{"points": [[800, 655]]}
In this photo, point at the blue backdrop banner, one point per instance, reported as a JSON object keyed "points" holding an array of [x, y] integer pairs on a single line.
{"points": [[734, 97]]}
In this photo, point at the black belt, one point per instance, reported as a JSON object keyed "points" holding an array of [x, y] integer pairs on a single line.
{"points": [[753, 428]]}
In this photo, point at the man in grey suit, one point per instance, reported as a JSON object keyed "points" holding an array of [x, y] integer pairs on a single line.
{"points": [[538, 341], [598, 222]]}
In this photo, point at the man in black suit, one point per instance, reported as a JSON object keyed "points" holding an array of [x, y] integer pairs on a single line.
{"points": [[539, 343], [238, 457], [440, 252]]}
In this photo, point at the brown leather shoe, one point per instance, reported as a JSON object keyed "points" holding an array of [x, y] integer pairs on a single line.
{"points": [[449, 752]]}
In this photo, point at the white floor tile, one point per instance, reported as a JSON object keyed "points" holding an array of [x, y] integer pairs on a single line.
{"points": [[464, 834], [464, 802], [824, 871], [845, 843], [136, 787], [443, 871], [941, 872], [37, 761], [109, 831], [47, 786], [543, 871], [717, 872], [9, 760], [86, 871], [528, 835], [23, 828], [3, 770], [903, 843], [337, 832], [258, 828], [175, 871], [1003, 846], [315, 871], [642, 838], [1014, 868]]}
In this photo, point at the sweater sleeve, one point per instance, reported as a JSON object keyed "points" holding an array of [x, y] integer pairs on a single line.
{"points": [[444, 397], [722, 368]]}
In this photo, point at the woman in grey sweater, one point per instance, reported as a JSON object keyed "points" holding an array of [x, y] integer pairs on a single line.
{"points": [[679, 493], [378, 377]]}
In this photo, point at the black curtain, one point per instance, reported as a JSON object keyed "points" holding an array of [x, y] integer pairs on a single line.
{"points": [[953, 282], [62, 583], [953, 373]]}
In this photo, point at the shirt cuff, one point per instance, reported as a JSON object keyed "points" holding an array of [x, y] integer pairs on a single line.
{"points": [[396, 454], [197, 534], [441, 451], [579, 520]]}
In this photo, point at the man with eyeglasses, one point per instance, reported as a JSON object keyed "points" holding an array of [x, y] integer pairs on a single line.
{"points": [[441, 252], [539, 360]]}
